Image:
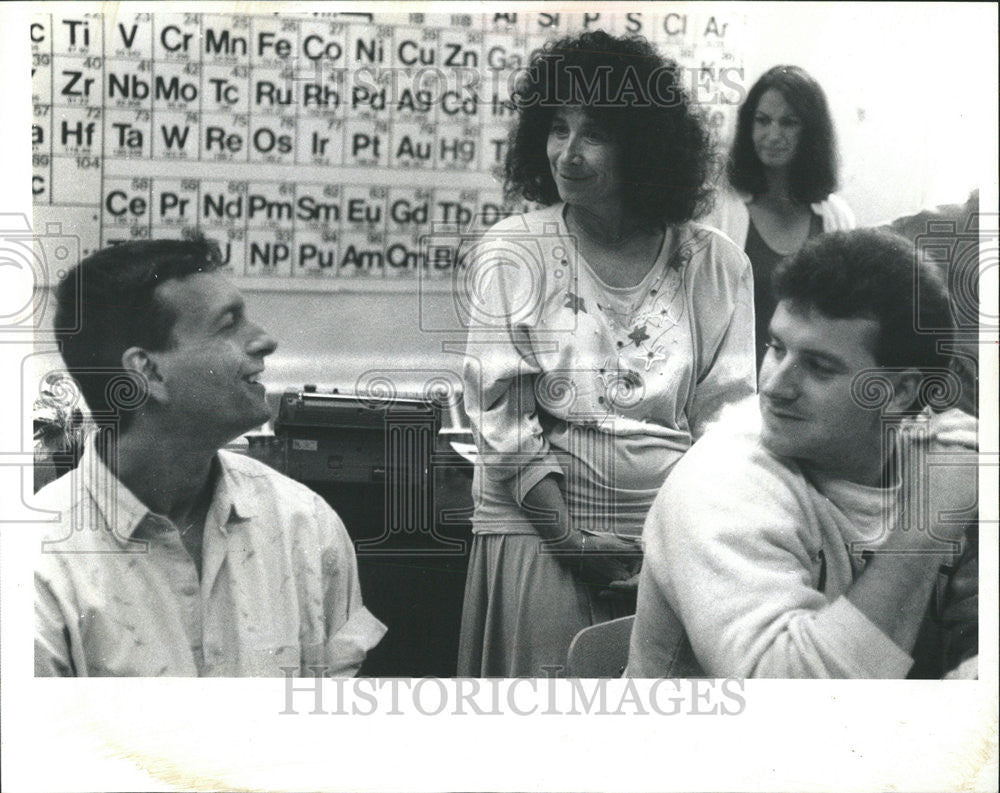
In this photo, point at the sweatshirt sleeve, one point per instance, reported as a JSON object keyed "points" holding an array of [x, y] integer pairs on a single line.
{"points": [[735, 553]]}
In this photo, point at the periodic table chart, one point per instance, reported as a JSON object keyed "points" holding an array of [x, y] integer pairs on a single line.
{"points": [[315, 148]]}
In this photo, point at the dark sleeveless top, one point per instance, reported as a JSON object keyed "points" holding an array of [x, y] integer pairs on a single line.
{"points": [[764, 261]]}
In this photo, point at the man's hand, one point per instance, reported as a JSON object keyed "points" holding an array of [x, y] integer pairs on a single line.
{"points": [[950, 475], [895, 587], [606, 558], [630, 584]]}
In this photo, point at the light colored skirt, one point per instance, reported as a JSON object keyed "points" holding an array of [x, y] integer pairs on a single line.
{"points": [[523, 607]]}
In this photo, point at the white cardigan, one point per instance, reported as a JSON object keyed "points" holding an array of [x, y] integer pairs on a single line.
{"points": [[731, 216]]}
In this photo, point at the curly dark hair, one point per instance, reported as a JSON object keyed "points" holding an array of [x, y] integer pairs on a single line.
{"points": [[872, 273], [626, 88], [813, 171], [107, 303]]}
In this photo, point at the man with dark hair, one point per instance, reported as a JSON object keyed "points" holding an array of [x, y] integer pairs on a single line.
{"points": [[171, 556], [829, 539]]}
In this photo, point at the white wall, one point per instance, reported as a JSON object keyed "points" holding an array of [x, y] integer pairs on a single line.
{"points": [[912, 87], [333, 340]]}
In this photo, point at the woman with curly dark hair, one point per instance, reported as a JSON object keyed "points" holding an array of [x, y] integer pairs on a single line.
{"points": [[782, 170], [606, 332]]}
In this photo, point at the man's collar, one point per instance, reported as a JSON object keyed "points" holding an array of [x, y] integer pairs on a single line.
{"points": [[229, 489], [121, 510], [125, 513]]}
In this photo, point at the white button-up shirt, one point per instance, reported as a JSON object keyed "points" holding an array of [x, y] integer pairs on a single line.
{"points": [[116, 592]]}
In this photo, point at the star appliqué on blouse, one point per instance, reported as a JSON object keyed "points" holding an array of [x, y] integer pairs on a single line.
{"points": [[638, 335], [652, 356]]}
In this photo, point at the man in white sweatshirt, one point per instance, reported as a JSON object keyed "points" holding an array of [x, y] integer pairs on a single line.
{"points": [[827, 534]]}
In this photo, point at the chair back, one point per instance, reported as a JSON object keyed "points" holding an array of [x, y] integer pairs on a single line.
{"points": [[600, 650]]}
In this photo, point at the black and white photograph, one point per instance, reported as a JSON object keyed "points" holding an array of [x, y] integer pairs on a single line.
{"points": [[532, 396]]}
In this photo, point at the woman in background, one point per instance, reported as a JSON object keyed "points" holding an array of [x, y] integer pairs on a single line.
{"points": [[782, 172], [606, 332]]}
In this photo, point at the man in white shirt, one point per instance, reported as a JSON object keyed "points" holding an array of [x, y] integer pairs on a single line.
{"points": [[826, 535], [170, 556]]}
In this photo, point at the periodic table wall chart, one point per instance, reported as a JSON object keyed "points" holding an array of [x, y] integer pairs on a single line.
{"points": [[313, 147]]}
